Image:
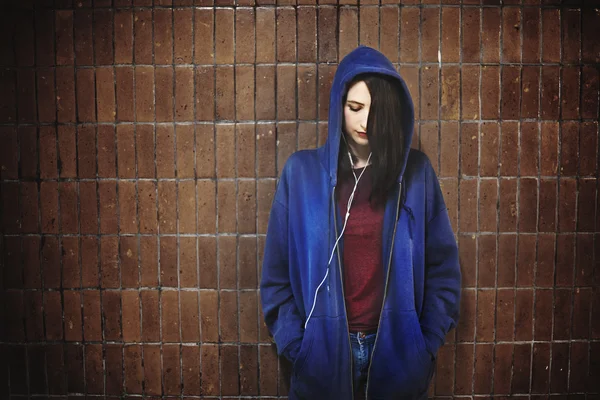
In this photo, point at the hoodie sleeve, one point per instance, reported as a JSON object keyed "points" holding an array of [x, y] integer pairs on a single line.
{"points": [[279, 307], [442, 270]]}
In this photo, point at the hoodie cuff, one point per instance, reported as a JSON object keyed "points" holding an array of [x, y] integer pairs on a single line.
{"points": [[291, 350], [432, 342]]}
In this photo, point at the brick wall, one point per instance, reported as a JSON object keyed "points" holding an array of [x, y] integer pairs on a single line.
{"points": [[140, 148]]}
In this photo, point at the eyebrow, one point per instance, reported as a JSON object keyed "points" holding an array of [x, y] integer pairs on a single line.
{"points": [[355, 102]]}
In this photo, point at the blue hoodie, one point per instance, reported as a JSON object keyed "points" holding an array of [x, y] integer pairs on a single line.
{"points": [[421, 268]]}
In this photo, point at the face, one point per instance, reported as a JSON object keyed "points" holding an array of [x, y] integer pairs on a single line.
{"points": [[356, 112]]}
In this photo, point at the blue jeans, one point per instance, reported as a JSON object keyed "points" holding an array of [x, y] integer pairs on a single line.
{"points": [[362, 348]]}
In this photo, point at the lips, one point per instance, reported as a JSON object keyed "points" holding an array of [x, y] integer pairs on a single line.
{"points": [[362, 134]]}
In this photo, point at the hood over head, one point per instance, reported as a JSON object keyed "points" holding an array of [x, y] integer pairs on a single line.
{"points": [[362, 60]]}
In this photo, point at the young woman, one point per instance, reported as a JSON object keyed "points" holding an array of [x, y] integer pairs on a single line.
{"points": [[360, 279]]}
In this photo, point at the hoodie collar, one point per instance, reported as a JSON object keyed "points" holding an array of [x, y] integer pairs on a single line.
{"points": [[361, 60]]}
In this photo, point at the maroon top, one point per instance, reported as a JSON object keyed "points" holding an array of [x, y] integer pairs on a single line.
{"points": [[363, 271]]}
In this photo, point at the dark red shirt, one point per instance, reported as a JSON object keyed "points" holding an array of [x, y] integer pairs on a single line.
{"points": [[363, 271]]}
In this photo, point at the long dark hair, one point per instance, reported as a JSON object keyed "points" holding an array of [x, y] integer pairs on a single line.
{"points": [[386, 138]]}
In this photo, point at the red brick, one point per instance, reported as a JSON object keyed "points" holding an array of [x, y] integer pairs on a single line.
{"points": [[444, 374], [111, 313], [550, 105], [230, 385], [31, 261], [165, 153], [114, 368], [503, 358], [224, 32], [168, 261], [265, 194], [46, 95], [170, 316], [148, 261], [389, 33], [490, 92], [464, 375], [589, 96], [108, 207], [488, 190], [126, 151], [65, 94], [206, 207], [109, 262], [540, 368], [528, 201], [248, 317], [530, 92], [183, 46], [105, 94], [307, 91], [226, 209], [529, 149], [150, 315], [551, 35], [266, 147], [171, 369], [164, 94], [152, 370], [348, 35], [167, 217], [187, 207], [128, 256], [64, 37], [86, 107], [286, 92], [210, 370], [163, 36], [521, 368], [268, 371], [190, 324], [246, 210], [185, 151], [191, 377], [51, 263], [71, 273], [265, 35], [131, 316], [265, 92], [8, 107], [53, 316], [327, 27], [72, 315], [244, 92], [449, 149], [559, 370], [248, 369], [468, 259], [124, 91], [143, 36], [11, 212], [55, 369], [508, 205], [127, 207], [549, 148], [587, 148], [147, 206], [184, 94], [67, 193], [84, 45], [123, 26], [225, 96], [487, 261], [429, 94], [485, 315], [34, 322], [144, 96], [484, 363], [511, 35], [74, 363], [92, 329], [227, 262], [567, 217], [204, 36], [205, 93], [26, 103], [29, 207], [89, 261], [134, 374], [106, 146], [209, 316], [103, 37]]}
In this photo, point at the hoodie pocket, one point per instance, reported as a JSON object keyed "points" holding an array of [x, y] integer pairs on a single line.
{"points": [[304, 352], [401, 365]]}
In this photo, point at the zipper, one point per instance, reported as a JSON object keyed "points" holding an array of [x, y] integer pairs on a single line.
{"points": [[387, 278], [337, 250]]}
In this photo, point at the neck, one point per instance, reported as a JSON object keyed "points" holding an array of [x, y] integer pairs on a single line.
{"points": [[361, 153]]}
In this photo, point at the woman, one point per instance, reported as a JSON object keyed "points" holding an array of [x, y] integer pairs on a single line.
{"points": [[360, 279]]}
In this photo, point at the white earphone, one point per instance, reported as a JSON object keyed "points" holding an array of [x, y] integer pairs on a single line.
{"points": [[350, 199]]}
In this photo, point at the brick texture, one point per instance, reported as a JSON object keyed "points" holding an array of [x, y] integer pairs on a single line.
{"points": [[140, 145]]}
